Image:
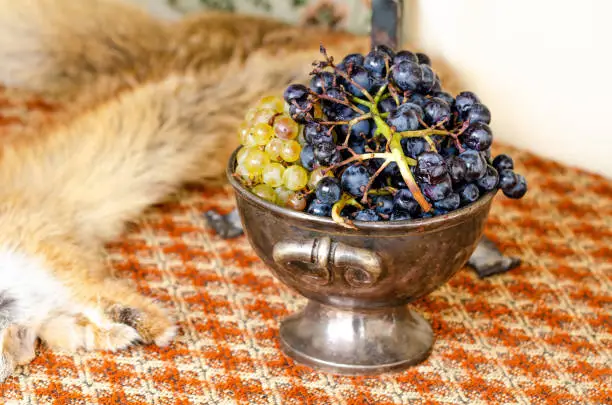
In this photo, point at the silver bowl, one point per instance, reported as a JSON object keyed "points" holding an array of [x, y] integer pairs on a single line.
{"points": [[358, 283]]}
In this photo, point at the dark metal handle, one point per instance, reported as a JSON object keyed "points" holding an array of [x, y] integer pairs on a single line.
{"points": [[386, 23], [320, 258]]}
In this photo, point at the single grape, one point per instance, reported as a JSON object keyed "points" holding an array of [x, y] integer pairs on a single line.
{"points": [[386, 50], [272, 174], [413, 147], [478, 136], [423, 59], [357, 145], [261, 134], [405, 55], [503, 162], [464, 101], [436, 110], [315, 133], [478, 113], [328, 190], [316, 175], [247, 175], [295, 177], [356, 59], [354, 179], [374, 62], [518, 190], [430, 167], [386, 105], [468, 193], [403, 118], [362, 78], [243, 132], [418, 99], [273, 149], [297, 92], [290, 152], [255, 160], [407, 75], [446, 97], [367, 215], [250, 114], [486, 154], [319, 208], [399, 215], [438, 191], [457, 169], [285, 127], [307, 158], [282, 195], [475, 165], [405, 202], [326, 153], [507, 179], [264, 191], [272, 102], [428, 79], [450, 203], [241, 154], [383, 205], [297, 202], [300, 114], [263, 116], [489, 181], [322, 81]]}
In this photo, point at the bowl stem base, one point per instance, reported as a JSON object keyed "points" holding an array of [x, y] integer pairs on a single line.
{"points": [[356, 342]]}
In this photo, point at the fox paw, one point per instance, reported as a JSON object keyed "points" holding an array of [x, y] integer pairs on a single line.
{"points": [[152, 323]]}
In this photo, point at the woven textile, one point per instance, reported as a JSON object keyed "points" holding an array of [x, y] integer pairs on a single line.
{"points": [[540, 334]]}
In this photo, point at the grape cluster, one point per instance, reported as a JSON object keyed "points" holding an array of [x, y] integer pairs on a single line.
{"points": [[373, 138]]}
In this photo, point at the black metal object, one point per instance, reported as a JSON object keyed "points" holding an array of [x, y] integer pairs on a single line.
{"points": [[387, 23]]}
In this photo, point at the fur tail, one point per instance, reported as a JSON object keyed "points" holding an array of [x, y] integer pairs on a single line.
{"points": [[58, 46]]}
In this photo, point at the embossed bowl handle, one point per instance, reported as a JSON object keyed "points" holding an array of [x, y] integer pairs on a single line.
{"points": [[360, 267]]}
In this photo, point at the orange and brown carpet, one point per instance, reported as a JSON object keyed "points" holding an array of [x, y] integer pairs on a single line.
{"points": [[540, 334]]}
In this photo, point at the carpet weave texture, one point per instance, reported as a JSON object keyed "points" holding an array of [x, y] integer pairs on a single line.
{"points": [[540, 334]]}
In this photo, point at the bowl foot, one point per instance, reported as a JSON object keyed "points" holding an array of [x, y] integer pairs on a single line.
{"points": [[352, 342]]}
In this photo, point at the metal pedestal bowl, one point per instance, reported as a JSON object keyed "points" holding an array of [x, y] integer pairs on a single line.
{"points": [[358, 282]]}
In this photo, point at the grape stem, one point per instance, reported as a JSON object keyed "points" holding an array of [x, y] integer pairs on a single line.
{"points": [[382, 167], [339, 206]]}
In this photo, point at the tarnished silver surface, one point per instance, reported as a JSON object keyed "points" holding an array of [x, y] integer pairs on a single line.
{"points": [[359, 281]]}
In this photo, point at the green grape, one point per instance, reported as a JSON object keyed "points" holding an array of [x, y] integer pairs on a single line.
{"points": [[273, 174], [247, 176], [261, 134], [255, 160], [243, 132], [241, 154], [285, 127], [250, 115], [275, 103], [316, 175], [263, 115], [264, 191], [273, 149], [282, 195], [290, 151], [295, 177]]}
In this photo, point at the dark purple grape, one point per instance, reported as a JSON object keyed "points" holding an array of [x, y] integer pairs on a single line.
{"points": [[426, 215], [413, 147], [475, 165], [386, 50], [503, 162], [315, 133], [437, 85], [478, 136], [362, 78], [399, 215], [321, 82], [383, 204], [430, 167], [299, 114], [307, 157], [438, 191], [450, 203], [331, 107], [405, 55], [464, 101], [436, 110], [468, 193], [457, 169], [478, 113], [518, 190], [489, 181], [355, 58], [446, 97], [328, 190], [403, 201], [507, 179], [375, 63], [319, 208], [297, 92], [326, 153], [428, 79], [486, 154], [354, 179], [357, 145], [407, 75], [414, 107], [418, 99], [403, 118], [423, 59], [368, 215], [387, 105]]}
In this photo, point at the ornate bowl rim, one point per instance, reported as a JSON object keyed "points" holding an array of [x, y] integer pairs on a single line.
{"points": [[452, 218]]}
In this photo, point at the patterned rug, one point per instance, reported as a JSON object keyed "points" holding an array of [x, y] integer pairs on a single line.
{"points": [[541, 334]]}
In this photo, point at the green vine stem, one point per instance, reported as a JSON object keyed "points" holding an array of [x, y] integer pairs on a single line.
{"points": [[339, 206]]}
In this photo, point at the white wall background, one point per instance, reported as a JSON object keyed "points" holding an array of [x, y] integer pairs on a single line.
{"points": [[544, 67]]}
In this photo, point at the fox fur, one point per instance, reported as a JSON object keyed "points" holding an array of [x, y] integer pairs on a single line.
{"points": [[150, 105]]}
